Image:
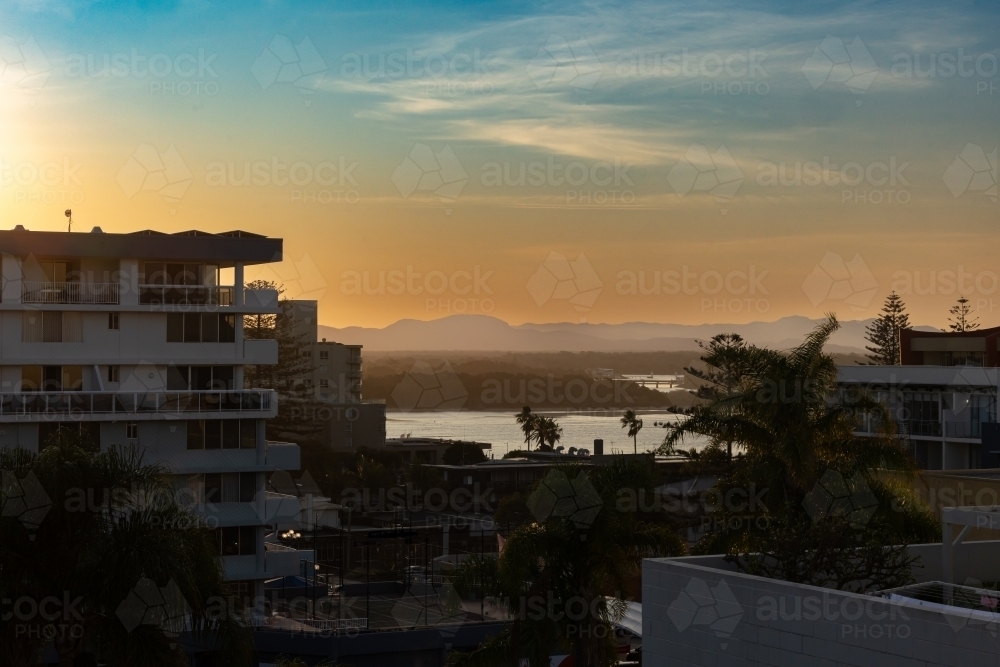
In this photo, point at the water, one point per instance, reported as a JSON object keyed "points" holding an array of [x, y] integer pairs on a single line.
{"points": [[500, 429]]}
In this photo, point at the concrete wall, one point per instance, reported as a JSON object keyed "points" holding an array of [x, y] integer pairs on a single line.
{"points": [[973, 560], [699, 615]]}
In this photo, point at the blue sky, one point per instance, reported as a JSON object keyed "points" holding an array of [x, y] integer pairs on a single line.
{"points": [[675, 94]]}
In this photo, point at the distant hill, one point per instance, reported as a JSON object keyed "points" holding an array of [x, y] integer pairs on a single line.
{"points": [[485, 333]]}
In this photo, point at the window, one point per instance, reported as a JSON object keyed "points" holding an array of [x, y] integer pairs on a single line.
{"points": [[237, 541], [132, 430], [196, 434], [222, 434], [323, 370], [324, 384], [200, 378], [51, 327], [230, 487], [159, 273], [248, 434], [113, 321], [114, 373], [51, 378], [200, 328], [324, 354]]}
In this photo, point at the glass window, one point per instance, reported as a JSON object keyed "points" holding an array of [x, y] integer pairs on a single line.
{"points": [[52, 327], [196, 434], [113, 321], [192, 328], [248, 487], [31, 378], [230, 487], [52, 378], [227, 328], [175, 274], [175, 327], [210, 328], [72, 378], [213, 488], [31, 327], [213, 434], [231, 434], [248, 434], [230, 541], [201, 378], [153, 273], [248, 541], [222, 378]]}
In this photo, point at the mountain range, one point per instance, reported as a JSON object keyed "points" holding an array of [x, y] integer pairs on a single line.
{"points": [[486, 333]]}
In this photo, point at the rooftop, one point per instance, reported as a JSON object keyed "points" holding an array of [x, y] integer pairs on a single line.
{"points": [[192, 245]]}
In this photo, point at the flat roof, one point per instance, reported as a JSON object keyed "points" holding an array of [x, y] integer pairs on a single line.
{"points": [[953, 377], [189, 246]]}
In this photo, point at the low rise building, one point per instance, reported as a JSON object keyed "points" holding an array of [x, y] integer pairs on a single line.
{"points": [[943, 397]]}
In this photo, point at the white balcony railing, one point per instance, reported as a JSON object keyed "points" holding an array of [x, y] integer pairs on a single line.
{"points": [[74, 292], [131, 403]]}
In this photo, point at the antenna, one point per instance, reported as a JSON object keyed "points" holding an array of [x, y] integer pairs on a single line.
{"points": [[69, 214]]}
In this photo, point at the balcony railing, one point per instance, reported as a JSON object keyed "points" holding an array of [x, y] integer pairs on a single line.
{"points": [[132, 403], [194, 295], [924, 427], [75, 292], [963, 429]]}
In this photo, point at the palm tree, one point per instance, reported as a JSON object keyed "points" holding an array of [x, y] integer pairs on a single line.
{"points": [[547, 432], [785, 410], [580, 561], [527, 421], [633, 425], [112, 526]]}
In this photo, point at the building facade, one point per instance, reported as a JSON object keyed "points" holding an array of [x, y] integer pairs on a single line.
{"points": [[334, 375], [943, 397], [137, 339]]}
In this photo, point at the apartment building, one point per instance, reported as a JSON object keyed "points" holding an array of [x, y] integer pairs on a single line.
{"points": [[137, 339], [334, 374], [943, 397]]}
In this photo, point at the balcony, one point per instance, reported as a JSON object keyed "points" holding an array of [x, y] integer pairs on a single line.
{"points": [[963, 429], [188, 295], [35, 406], [924, 427], [74, 292], [275, 508]]}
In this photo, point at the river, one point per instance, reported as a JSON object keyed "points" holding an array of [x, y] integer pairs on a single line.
{"points": [[500, 429]]}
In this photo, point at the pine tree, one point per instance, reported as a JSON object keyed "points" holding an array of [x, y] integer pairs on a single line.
{"points": [[299, 411], [962, 313], [883, 333]]}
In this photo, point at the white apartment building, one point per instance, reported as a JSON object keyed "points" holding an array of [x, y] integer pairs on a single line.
{"points": [[137, 339], [334, 375]]}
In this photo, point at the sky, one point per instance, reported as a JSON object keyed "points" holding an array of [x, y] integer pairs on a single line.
{"points": [[681, 162]]}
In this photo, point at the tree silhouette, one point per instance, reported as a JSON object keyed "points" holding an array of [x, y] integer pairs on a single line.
{"points": [[962, 321], [883, 333]]}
